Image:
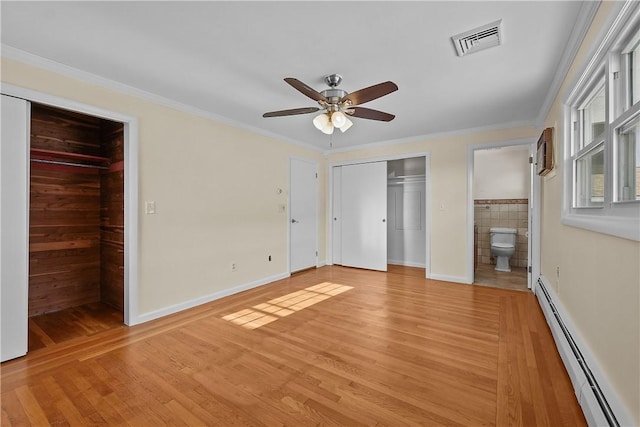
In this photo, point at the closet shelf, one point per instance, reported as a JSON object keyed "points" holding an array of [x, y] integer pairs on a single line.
{"points": [[49, 154]]}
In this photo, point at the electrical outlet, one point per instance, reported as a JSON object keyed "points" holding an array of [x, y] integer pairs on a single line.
{"points": [[234, 266]]}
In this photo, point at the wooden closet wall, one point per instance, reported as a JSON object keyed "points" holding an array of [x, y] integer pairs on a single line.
{"points": [[76, 224]]}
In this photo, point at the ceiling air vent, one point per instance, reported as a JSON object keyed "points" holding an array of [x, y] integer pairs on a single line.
{"points": [[480, 38]]}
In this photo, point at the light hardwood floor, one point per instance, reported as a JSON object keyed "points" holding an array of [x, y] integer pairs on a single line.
{"points": [[332, 346], [50, 329]]}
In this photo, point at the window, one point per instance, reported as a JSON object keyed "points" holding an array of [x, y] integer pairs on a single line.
{"points": [[589, 123], [634, 73], [602, 157], [628, 161], [590, 178], [592, 118]]}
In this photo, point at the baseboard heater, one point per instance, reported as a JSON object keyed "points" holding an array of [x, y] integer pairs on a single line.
{"points": [[594, 403]]}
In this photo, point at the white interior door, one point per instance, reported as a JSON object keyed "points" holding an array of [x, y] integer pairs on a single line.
{"points": [[364, 215], [304, 214], [14, 219], [532, 203]]}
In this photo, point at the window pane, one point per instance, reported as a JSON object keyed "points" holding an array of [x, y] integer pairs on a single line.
{"points": [[634, 72], [593, 118], [628, 162], [590, 178]]}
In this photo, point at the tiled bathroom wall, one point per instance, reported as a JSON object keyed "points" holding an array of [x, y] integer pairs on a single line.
{"points": [[511, 213]]}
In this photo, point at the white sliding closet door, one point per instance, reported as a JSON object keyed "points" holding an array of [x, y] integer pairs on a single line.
{"points": [[364, 215], [336, 240], [14, 218]]}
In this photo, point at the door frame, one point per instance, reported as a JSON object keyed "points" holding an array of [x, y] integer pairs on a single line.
{"points": [[427, 200], [315, 163], [534, 210], [130, 311]]}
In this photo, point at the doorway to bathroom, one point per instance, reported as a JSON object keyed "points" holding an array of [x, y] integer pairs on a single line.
{"points": [[502, 203]]}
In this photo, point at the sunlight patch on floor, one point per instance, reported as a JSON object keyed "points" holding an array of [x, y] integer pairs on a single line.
{"points": [[272, 310]]}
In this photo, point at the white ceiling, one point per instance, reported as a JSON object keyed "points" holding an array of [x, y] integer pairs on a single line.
{"points": [[229, 59]]}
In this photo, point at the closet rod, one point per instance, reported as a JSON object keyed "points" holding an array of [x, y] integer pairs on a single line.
{"points": [[57, 162]]}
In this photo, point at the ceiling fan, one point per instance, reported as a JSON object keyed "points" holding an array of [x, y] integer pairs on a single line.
{"points": [[337, 105]]}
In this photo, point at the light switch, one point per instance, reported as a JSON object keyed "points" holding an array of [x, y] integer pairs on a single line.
{"points": [[150, 207]]}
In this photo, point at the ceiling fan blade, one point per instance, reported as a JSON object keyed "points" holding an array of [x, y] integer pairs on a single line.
{"points": [[306, 90], [291, 112], [368, 113], [370, 93]]}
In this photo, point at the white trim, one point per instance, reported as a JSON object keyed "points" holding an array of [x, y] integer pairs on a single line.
{"points": [[581, 26], [535, 260], [427, 201], [535, 226], [406, 263], [598, 49], [625, 227], [175, 308], [131, 184], [582, 389], [446, 278], [84, 76], [431, 136]]}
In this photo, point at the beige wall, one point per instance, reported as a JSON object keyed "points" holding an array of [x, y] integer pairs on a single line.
{"points": [[599, 275], [215, 188], [502, 173], [449, 162]]}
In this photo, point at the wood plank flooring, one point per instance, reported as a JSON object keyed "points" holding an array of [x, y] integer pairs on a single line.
{"points": [[49, 329], [347, 347]]}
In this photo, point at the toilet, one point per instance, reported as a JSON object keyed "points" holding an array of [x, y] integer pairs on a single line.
{"points": [[503, 246]]}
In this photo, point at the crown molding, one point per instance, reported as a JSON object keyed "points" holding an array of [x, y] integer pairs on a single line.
{"points": [[581, 26], [431, 136], [19, 55]]}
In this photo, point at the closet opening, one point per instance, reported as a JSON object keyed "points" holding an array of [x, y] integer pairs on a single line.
{"points": [[379, 215], [406, 237], [76, 225]]}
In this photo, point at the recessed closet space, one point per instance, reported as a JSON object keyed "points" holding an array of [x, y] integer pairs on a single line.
{"points": [[405, 212], [76, 225]]}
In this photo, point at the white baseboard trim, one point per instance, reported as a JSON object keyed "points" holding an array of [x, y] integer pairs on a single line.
{"points": [[586, 374], [446, 278], [146, 317], [405, 263]]}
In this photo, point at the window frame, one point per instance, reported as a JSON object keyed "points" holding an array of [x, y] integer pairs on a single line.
{"points": [[609, 64]]}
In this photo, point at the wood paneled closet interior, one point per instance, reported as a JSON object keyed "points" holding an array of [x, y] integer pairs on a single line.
{"points": [[76, 211]]}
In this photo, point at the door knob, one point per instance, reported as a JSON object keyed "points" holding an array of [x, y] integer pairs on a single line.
{"points": [[384, 220], [293, 221]]}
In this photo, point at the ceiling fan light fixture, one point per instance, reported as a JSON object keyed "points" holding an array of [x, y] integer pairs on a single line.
{"points": [[321, 121], [338, 119], [336, 105], [347, 124], [328, 129]]}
